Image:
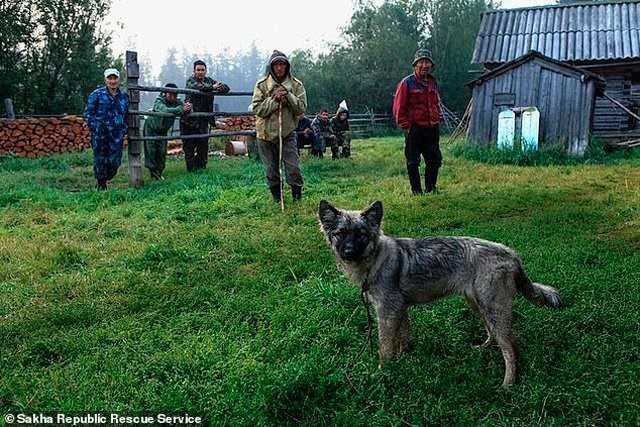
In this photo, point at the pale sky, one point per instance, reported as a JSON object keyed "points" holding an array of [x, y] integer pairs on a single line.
{"points": [[151, 27]]}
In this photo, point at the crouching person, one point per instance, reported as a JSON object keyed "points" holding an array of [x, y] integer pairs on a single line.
{"points": [[322, 132], [342, 132], [279, 98], [106, 114], [155, 152]]}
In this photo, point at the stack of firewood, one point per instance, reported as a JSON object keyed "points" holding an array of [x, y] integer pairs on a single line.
{"points": [[234, 123], [38, 137]]}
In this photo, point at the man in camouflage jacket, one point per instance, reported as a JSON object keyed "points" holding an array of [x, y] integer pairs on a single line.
{"points": [[339, 125], [106, 117]]}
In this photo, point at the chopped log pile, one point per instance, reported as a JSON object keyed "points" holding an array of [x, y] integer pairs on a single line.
{"points": [[39, 137], [234, 123], [229, 124]]}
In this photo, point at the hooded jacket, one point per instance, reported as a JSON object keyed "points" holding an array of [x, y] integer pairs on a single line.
{"points": [[266, 108], [339, 126]]}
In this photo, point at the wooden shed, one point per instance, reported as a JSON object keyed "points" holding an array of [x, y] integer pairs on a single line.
{"points": [[603, 38], [564, 95]]}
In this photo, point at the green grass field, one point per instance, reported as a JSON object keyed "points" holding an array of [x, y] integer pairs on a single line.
{"points": [[197, 294]]}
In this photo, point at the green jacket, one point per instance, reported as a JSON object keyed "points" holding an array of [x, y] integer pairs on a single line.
{"points": [[154, 125], [266, 109]]}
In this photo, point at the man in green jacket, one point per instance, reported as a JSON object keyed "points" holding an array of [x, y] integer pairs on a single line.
{"points": [[155, 152], [278, 95]]}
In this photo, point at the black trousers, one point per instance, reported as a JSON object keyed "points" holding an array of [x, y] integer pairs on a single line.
{"points": [[196, 151], [425, 142]]}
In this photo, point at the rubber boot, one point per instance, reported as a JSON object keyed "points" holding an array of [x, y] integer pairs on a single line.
{"points": [[414, 180], [276, 192], [296, 193], [430, 179]]}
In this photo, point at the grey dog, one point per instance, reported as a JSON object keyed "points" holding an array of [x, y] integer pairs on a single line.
{"points": [[396, 273]]}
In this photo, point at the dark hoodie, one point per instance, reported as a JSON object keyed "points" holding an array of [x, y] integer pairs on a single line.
{"points": [[266, 108], [279, 56]]}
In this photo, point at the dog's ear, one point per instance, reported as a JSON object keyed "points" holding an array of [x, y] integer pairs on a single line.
{"points": [[373, 214], [328, 215]]}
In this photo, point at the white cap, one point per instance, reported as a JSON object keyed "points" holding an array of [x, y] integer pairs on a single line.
{"points": [[111, 72]]}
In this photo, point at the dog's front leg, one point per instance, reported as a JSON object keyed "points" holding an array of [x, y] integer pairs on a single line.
{"points": [[388, 330]]}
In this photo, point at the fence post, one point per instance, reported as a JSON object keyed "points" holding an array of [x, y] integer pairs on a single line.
{"points": [[373, 123], [8, 106], [134, 147]]}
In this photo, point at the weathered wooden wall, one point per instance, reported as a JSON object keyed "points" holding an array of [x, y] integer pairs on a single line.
{"points": [[623, 83], [564, 98]]}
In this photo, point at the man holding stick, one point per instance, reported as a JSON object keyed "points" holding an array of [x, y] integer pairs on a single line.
{"points": [[278, 100]]}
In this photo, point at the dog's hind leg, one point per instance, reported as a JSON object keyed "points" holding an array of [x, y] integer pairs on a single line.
{"points": [[495, 305], [474, 306], [507, 344]]}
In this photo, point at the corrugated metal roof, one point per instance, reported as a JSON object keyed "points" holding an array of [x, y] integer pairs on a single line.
{"points": [[574, 33]]}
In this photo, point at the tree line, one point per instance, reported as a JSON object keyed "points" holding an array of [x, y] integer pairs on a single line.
{"points": [[53, 52]]}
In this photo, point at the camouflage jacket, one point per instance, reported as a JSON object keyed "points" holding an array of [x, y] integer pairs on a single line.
{"points": [[202, 103], [107, 112], [154, 125], [338, 126]]}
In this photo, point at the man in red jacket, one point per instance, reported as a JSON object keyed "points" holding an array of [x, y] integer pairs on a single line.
{"points": [[416, 109]]}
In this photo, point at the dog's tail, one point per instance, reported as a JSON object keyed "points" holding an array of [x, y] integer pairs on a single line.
{"points": [[537, 293]]}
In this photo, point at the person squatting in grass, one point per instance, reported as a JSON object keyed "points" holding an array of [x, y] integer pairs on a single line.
{"points": [[322, 133], [304, 133], [416, 109], [279, 95], [196, 151], [341, 132], [106, 117], [155, 152]]}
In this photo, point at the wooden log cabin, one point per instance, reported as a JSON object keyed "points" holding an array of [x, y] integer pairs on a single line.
{"points": [[599, 38]]}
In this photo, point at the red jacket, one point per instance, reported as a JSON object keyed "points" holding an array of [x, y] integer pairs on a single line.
{"points": [[417, 102]]}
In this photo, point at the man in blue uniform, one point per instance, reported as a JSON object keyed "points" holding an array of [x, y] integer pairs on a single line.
{"points": [[106, 115]]}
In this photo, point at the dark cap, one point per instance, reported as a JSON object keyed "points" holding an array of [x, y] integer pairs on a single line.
{"points": [[422, 54]]}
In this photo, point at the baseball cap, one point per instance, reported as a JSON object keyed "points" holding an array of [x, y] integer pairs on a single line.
{"points": [[111, 72]]}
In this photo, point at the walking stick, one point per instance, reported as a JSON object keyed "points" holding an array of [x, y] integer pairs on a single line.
{"points": [[280, 157]]}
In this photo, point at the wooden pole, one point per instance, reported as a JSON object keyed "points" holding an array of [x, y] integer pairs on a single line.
{"points": [[197, 114], [8, 106], [187, 91], [280, 158], [134, 147], [203, 135], [631, 113]]}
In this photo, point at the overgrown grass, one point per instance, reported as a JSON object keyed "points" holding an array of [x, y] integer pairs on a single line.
{"points": [[557, 155], [197, 294]]}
